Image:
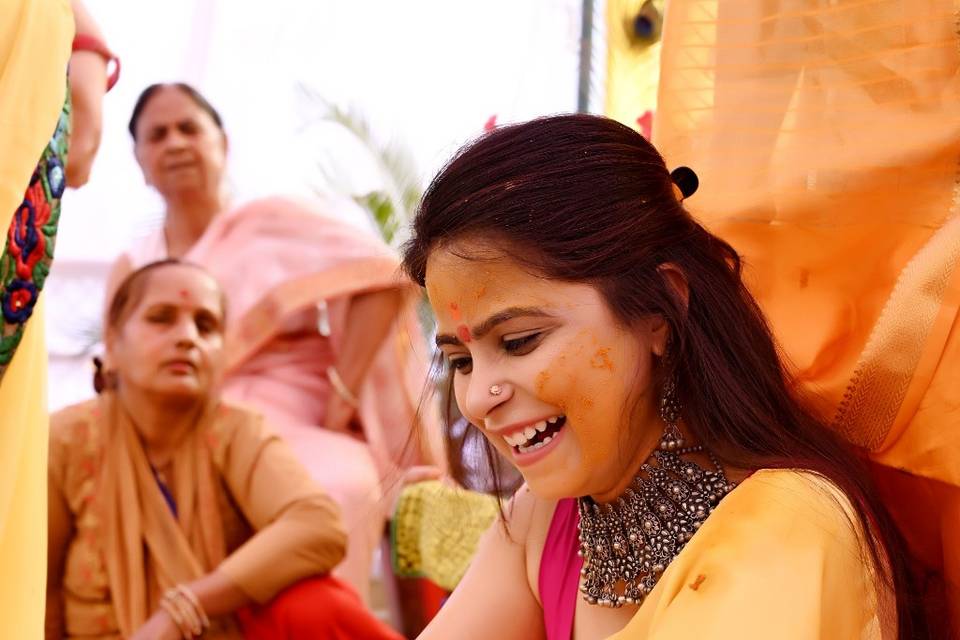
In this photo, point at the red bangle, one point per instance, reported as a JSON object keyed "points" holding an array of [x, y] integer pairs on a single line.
{"points": [[84, 42]]}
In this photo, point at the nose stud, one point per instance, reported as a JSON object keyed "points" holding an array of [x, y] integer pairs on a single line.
{"points": [[495, 389]]}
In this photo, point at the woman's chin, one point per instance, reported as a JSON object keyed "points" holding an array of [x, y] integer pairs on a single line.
{"points": [[180, 391], [552, 471], [553, 487], [557, 481]]}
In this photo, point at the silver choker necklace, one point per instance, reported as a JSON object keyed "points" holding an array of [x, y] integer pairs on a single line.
{"points": [[626, 545]]}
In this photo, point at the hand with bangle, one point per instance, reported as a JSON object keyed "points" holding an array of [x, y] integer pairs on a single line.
{"points": [[93, 44], [90, 64], [179, 617], [183, 606]]}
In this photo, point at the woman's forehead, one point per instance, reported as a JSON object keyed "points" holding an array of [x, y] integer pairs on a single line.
{"points": [[465, 289], [183, 283], [169, 104], [454, 273], [473, 260]]}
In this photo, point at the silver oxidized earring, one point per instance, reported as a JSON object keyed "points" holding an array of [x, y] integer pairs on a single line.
{"points": [[672, 439]]}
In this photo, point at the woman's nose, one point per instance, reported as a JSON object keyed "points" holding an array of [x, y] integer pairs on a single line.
{"points": [[186, 334], [175, 140], [486, 390]]}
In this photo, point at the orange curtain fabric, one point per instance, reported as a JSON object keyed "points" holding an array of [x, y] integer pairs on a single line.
{"points": [[826, 135]]}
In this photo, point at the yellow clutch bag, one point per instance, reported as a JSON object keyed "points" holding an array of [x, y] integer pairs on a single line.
{"points": [[436, 529]]}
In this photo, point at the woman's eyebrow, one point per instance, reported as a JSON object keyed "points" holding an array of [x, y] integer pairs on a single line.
{"points": [[490, 323]]}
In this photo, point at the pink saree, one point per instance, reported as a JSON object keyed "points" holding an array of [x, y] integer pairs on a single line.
{"points": [[289, 272]]}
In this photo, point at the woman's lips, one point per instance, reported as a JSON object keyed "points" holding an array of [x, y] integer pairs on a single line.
{"points": [[180, 366], [524, 456]]}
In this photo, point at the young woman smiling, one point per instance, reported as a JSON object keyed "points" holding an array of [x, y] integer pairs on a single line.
{"points": [[604, 342]]}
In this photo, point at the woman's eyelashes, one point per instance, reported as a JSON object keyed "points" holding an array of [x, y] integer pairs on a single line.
{"points": [[522, 345], [160, 316], [207, 324], [514, 346], [461, 364]]}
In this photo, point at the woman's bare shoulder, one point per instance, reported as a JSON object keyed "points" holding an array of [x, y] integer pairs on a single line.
{"points": [[528, 522]]}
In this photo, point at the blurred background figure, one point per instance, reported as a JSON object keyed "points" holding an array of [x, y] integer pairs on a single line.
{"points": [[174, 515], [316, 99]]}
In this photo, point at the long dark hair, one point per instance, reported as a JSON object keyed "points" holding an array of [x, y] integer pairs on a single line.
{"points": [[585, 199]]}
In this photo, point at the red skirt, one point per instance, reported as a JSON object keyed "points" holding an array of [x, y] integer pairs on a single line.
{"points": [[322, 608]]}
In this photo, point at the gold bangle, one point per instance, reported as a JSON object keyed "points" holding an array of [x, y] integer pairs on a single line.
{"points": [[186, 611], [191, 625], [177, 616], [342, 390], [188, 593]]}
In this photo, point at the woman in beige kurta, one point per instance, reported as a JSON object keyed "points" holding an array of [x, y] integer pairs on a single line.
{"points": [[162, 497]]}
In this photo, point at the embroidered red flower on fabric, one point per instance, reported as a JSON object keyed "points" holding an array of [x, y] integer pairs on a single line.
{"points": [[26, 259], [27, 243], [18, 301]]}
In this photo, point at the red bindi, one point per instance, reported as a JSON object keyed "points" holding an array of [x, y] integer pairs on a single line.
{"points": [[184, 294], [455, 311], [464, 334]]}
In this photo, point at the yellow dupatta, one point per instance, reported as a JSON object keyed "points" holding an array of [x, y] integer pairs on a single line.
{"points": [[243, 507], [35, 38], [127, 547], [147, 549]]}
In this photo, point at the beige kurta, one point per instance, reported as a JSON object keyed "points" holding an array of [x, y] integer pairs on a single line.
{"points": [[244, 505]]}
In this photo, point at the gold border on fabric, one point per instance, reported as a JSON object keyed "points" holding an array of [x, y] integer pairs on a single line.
{"points": [[915, 322], [889, 361]]}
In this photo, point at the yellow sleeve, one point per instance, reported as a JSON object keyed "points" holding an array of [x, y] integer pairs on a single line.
{"points": [[299, 532], [783, 561]]}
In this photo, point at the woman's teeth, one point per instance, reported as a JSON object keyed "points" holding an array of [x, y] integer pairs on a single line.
{"points": [[530, 439], [535, 446]]}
